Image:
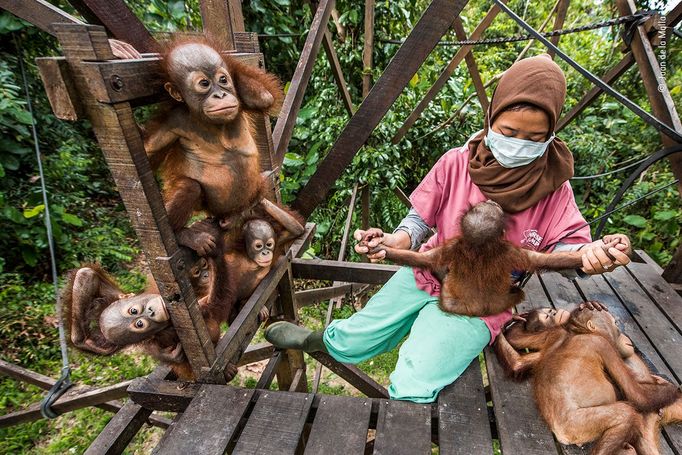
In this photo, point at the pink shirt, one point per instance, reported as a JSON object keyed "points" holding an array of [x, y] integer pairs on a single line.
{"points": [[447, 192]]}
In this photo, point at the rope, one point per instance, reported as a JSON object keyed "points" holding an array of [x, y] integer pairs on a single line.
{"points": [[511, 39], [64, 382]]}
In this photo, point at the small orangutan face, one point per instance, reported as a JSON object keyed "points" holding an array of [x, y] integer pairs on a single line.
{"points": [[133, 319], [260, 242], [201, 80], [200, 274]]}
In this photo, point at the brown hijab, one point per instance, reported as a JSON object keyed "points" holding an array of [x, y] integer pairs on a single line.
{"points": [[538, 81]]}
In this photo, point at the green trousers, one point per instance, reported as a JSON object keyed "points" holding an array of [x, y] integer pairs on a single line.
{"points": [[439, 348]]}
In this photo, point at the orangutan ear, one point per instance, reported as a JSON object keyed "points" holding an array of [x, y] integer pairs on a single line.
{"points": [[590, 326], [173, 91]]}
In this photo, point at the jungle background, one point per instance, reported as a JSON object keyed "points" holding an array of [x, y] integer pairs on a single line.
{"points": [[90, 224]]}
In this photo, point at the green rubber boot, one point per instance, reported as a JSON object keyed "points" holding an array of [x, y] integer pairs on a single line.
{"points": [[286, 335]]}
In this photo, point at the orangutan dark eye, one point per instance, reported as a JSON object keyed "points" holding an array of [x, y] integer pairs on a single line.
{"points": [[270, 244], [258, 246], [133, 311], [139, 324], [222, 80], [204, 83]]}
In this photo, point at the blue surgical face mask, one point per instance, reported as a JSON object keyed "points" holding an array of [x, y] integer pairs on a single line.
{"points": [[511, 152]]}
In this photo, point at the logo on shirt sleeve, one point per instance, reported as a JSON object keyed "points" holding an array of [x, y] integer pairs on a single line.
{"points": [[531, 239]]}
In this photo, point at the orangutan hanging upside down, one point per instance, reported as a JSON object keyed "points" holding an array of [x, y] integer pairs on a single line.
{"points": [[476, 267], [580, 376]]}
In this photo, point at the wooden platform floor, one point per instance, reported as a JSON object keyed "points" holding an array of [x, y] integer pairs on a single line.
{"points": [[468, 416]]}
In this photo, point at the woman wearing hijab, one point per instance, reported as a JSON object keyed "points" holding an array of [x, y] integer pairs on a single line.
{"points": [[516, 161]]}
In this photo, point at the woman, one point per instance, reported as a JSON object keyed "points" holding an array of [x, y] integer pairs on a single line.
{"points": [[518, 163]]}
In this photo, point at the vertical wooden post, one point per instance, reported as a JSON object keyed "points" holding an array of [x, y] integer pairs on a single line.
{"points": [[123, 148], [367, 60], [561, 11], [217, 19]]}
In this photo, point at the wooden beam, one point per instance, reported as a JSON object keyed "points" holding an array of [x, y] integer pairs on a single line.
{"points": [[256, 353], [445, 75], [70, 401], [217, 19], [351, 272], [269, 372], [237, 18], [656, 86], [286, 121], [368, 48], [123, 427], [46, 383], [120, 21], [40, 13], [561, 11], [424, 36], [472, 67], [352, 374], [614, 73], [118, 135], [337, 72], [242, 329], [312, 296]]}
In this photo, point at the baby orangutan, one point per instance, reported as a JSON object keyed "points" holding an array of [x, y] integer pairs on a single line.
{"points": [[101, 319], [247, 250], [204, 147], [476, 268], [580, 378]]}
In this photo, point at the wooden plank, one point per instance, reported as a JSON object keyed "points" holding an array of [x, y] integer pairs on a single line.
{"points": [[209, 422], [611, 76], [352, 374], [559, 20], [236, 17], [70, 401], [445, 75], [665, 335], [424, 36], [123, 149], [120, 21], [286, 121], [403, 427], [40, 13], [340, 426], [140, 80], [217, 21], [649, 260], [275, 424], [169, 396], [256, 353], [61, 93], [313, 296], [242, 329], [519, 425], [659, 290], [120, 430], [463, 426], [352, 272]]}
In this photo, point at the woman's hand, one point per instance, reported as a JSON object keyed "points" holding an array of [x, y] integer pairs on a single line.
{"points": [[596, 260], [373, 237]]}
